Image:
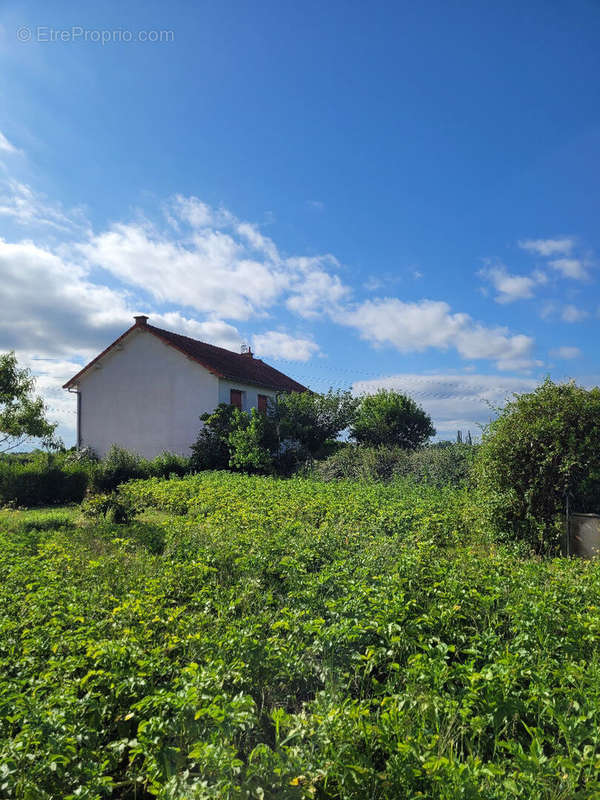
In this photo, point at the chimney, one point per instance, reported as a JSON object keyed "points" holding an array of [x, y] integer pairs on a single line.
{"points": [[247, 351], [141, 320]]}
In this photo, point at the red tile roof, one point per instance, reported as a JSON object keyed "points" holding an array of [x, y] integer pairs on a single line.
{"points": [[240, 367]]}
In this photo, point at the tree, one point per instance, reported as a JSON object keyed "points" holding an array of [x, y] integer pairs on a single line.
{"points": [[211, 448], [542, 446], [22, 413], [390, 418], [307, 420], [294, 428]]}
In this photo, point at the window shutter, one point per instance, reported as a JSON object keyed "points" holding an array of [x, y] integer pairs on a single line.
{"points": [[235, 398]]}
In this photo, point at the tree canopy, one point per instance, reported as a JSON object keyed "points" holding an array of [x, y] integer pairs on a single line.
{"points": [[390, 418], [22, 413]]}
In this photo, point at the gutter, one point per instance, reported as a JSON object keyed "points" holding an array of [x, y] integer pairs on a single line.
{"points": [[78, 393]]}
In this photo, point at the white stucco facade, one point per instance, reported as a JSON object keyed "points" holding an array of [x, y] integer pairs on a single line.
{"points": [[145, 396]]}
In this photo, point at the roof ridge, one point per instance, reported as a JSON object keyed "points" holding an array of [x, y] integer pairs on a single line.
{"points": [[221, 362], [205, 344]]}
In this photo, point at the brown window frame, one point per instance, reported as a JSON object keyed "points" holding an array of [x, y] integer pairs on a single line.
{"points": [[262, 403], [236, 398]]}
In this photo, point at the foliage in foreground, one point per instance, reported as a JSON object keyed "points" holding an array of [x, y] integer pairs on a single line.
{"points": [[275, 642], [542, 446]]}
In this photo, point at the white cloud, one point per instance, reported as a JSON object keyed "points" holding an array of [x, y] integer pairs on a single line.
{"points": [[414, 327], [571, 268], [212, 275], [276, 344], [220, 266], [548, 247], [315, 290], [571, 313], [6, 146], [317, 205], [455, 402], [512, 287], [28, 208], [566, 352]]}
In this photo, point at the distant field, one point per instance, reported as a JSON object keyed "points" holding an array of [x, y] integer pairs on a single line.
{"points": [[256, 638]]}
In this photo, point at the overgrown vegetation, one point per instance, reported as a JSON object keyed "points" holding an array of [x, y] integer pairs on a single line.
{"points": [[438, 464], [41, 478], [248, 637]]}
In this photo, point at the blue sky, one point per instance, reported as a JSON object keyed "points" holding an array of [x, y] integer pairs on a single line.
{"points": [[398, 194]]}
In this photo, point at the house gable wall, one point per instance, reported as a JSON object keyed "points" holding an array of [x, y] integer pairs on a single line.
{"points": [[145, 396]]}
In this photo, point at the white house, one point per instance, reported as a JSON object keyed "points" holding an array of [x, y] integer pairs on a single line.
{"points": [[146, 391]]}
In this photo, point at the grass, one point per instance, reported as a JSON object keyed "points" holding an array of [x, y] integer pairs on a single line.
{"points": [[254, 638]]}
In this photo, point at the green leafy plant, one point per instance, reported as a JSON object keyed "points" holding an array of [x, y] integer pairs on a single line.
{"points": [[306, 420], [211, 449], [114, 507], [42, 479], [440, 466], [252, 442]]}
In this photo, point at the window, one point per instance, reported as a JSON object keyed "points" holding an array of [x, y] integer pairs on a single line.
{"points": [[235, 398], [262, 403]]}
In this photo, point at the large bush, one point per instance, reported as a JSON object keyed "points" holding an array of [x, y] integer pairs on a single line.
{"points": [[389, 418], [543, 446], [307, 420]]}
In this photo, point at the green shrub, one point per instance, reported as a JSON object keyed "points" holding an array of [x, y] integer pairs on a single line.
{"points": [[42, 481], [543, 446], [167, 464], [113, 507], [211, 448], [439, 466], [252, 442], [118, 466], [292, 431]]}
